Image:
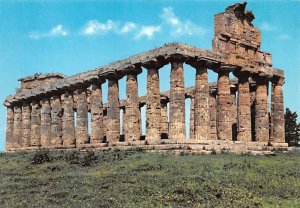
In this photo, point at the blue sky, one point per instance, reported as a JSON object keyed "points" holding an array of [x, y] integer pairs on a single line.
{"points": [[75, 36]]}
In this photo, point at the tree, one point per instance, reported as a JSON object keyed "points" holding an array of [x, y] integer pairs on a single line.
{"points": [[292, 128]]}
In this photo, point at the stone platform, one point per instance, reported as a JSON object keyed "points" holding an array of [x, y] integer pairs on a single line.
{"points": [[187, 146]]}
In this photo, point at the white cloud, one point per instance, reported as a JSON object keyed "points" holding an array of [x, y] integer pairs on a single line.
{"points": [[128, 27], [265, 26], [57, 31], [283, 37], [170, 23], [169, 16], [147, 31], [93, 27], [179, 27]]}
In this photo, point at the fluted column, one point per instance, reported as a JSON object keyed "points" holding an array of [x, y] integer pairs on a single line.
{"points": [[164, 124], [224, 105], [278, 111], [113, 111], [243, 108], [177, 101], [97, 131], [35, 133], [18, 127], [45, 123], [133, 116], [261, 110], [153, 109], [202, 120], [56, 121], [192, 118], [26, 123], [213, 115], [9, 127], [82, 136], [68, 125]]}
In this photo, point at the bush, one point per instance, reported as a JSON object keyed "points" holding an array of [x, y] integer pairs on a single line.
{"points": [[88, 159], [41, 157], [72, 157]]}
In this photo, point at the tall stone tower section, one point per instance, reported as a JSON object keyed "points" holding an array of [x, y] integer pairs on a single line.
{"points": [[237, 38]]}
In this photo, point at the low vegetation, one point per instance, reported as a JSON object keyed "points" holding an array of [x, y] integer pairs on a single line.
{"points": [[140, 179]]}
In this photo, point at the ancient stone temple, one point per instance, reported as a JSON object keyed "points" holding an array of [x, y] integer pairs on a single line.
{"points": [[242, 114]]}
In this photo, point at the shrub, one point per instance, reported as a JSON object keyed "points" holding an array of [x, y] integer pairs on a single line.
{"points": [[72, 157], [41, 157], [88, 159]]}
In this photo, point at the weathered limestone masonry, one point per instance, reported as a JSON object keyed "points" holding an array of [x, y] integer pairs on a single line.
{"points": [[54, 111]]}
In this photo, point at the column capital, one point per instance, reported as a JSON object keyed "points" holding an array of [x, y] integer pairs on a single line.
{"points": [[177, 58], [278, 80], [153, 64], [98, 81], [66, 93], [259, 78], [114, 76], [34, 102], [176, 63], [78, 90], [198, 64], [27, 103], [225, 68], [240, 73], [133, 70]]}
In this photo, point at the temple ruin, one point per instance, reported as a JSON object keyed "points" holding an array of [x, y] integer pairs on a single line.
{"points": [[50, 111]]}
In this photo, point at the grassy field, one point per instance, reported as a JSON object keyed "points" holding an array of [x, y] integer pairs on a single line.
{"points": [[139, 179]]}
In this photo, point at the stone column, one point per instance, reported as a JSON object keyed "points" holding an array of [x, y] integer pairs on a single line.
{"points": [[35, 134], [213, 115], [164, 124], [278, 111], [177, 101], [26, 123], [243, 108], [224, 105], [68, 125], [261, 110], [202, 120], [113, 111], [153, 108], [56, 121], [18, 127], [45, 123], [82, 136], [97, 131], [9, 127], [133, 116], [192, 118]]}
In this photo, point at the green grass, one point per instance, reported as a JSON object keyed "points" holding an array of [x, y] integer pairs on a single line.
{"points": [[140, 179]]}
